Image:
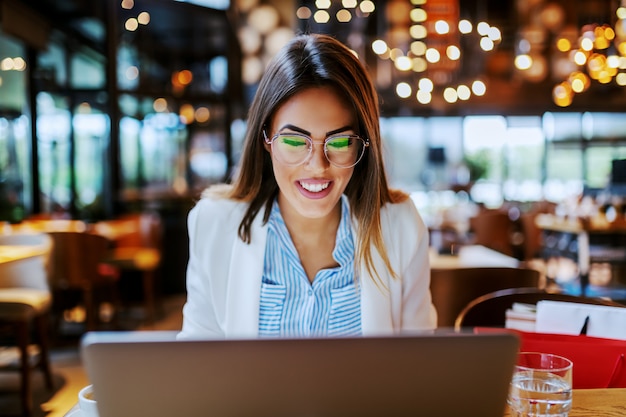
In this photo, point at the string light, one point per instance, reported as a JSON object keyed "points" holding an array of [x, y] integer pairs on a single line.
{"points": [[434, 50], [348, 9], [422, 43], [594, 53], [600, 57]]}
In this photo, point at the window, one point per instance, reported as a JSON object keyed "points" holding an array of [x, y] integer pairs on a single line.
{"points": [[15, 175], [484, 138], [53, 138], [523, 159], [91, 136], [87, 70], [162, 152]]}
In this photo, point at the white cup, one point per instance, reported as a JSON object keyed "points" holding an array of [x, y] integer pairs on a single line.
{"points": [[87, 402]]}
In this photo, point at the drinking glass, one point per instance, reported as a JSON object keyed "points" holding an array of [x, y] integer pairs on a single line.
{"points": [[541, 386]]}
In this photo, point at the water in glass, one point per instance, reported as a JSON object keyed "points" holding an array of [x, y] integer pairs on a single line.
{"points": [[538, 394]]}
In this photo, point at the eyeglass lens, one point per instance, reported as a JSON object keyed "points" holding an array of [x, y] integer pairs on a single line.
{"points": [[342, 150]]}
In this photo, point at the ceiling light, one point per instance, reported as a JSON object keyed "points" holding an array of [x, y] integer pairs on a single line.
{"points": [[479, 88], [143, 18], [403, 90], [424, 97], [264, 18], [131, 24], [321, 16], [465, 26], [322, 4], [379, 47], [344, 16]]}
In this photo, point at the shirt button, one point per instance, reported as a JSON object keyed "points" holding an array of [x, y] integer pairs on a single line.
{"points": [[310, 292]]}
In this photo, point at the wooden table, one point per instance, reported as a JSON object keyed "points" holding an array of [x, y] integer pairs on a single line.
{"points": [[586, 403], [597, 403], [471, 256]]}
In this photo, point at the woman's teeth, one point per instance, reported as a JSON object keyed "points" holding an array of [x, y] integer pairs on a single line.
{"points": [[314, 188]]}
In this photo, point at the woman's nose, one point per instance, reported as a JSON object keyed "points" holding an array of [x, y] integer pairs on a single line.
{"points": [[317, 158]]}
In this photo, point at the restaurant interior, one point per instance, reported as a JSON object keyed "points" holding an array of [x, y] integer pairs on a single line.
{"points": [[504, 120]]}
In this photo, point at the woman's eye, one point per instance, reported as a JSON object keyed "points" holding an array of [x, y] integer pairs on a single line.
{"points": [[339, 143], [293, 141]]}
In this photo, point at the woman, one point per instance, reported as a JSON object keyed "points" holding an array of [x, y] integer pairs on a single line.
{"points": [[309, 240]]}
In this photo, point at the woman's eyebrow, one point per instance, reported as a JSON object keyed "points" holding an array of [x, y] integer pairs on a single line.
{"points": [[306, 132], [296, 128], [341, 129]]}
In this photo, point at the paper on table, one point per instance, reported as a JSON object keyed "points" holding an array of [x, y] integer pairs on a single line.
{"points": [[521, 317], [569, 318]]}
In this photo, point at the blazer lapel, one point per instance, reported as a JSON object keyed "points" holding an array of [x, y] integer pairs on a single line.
{"points": [[376, 309], [244, 289]]}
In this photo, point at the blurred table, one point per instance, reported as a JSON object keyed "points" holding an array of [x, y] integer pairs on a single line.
{"points": [[47, 225], [111, 229], [471, 256], [116, 229], [596, 224], [10, 253], [609, 402]]}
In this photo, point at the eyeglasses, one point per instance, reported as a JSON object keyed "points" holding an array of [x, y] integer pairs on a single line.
{"points": [[342, 151]]}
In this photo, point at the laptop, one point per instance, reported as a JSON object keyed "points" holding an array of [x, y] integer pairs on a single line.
{"points": [[149, 373]]}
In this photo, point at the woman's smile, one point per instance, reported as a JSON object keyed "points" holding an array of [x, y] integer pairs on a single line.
{"points": [[315, 188]]}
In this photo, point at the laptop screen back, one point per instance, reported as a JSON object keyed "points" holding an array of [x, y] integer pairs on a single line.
{"points": [[149, 373]]}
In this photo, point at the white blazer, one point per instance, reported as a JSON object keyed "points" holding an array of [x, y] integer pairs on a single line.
{"points": [[224, 274]]}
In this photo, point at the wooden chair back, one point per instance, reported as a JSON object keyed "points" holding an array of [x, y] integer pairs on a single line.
{"points": [[76, 258], [489, 310], [532, 236], [76, 278], [452, 289]]}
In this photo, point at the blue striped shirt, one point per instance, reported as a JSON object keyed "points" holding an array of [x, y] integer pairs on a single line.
{"points": [[292, 306]]}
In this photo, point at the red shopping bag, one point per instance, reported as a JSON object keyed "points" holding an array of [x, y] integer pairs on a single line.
{"points": [[598, 362]]}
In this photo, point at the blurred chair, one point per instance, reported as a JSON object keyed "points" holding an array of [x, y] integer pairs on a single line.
{"points": [[25, 301], [76, 275], [532, 244], [493, 229], [489, 310], [138, 252], [453, 288]]}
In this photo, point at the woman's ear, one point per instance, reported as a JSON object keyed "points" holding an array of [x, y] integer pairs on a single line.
{"points": [[266, 145]]}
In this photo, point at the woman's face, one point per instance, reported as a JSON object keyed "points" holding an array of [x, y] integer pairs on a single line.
{"points": [[312, 189]]}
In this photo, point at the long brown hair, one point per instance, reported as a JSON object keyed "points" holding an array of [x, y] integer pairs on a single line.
{"points": [[316, 60]]}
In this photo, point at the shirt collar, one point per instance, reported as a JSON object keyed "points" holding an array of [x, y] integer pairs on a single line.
{"points": [[344, 243]]}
